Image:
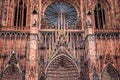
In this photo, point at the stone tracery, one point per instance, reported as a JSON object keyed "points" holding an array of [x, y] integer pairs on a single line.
{"points": [[74, 51]]}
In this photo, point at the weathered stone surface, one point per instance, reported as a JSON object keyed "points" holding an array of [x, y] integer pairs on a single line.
{"points": [[88, 49]]}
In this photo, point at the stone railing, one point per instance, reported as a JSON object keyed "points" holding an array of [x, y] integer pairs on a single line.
{"points": [[111, 30], [15, 28]]}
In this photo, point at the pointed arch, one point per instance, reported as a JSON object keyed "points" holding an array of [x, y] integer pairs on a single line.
{"points": [[63, 67], [60, 50], [60, 56], [46, 3], [110, 73], [99, 13], [12, 72], [102, 13], [20, 11]]}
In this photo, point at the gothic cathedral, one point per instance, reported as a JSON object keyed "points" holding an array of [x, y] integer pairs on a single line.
{"points": [[59, 39]]}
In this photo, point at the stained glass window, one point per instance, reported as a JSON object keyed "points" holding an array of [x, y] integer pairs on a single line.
{"points": [[60, 13]]}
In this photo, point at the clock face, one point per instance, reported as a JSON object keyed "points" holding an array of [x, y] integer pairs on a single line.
{"points": [[60, 13]]}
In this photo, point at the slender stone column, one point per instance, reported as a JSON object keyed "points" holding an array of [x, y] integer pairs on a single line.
{"points": [[32, 61], [91, 47]]}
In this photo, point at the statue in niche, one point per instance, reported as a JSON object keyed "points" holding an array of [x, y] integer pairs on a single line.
{"points": [[35, 18], [34, 22], [88, 19]]}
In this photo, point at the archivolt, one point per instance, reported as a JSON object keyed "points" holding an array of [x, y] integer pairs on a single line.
{"points": [[46, 3], [12, 72], [110, 73], [62, 67]]}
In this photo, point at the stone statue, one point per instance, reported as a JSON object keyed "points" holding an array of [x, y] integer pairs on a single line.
{"points": [[88, 20], [34, 22], [35, 18]]}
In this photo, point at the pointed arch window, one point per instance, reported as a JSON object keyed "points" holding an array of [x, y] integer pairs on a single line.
{"points": [[99, 14], [20, 13]]}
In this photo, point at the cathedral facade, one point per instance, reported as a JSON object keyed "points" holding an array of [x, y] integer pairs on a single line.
{"points": [[59, 39]]}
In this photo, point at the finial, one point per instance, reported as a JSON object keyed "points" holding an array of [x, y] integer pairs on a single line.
{"points": [[13, 50]]}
